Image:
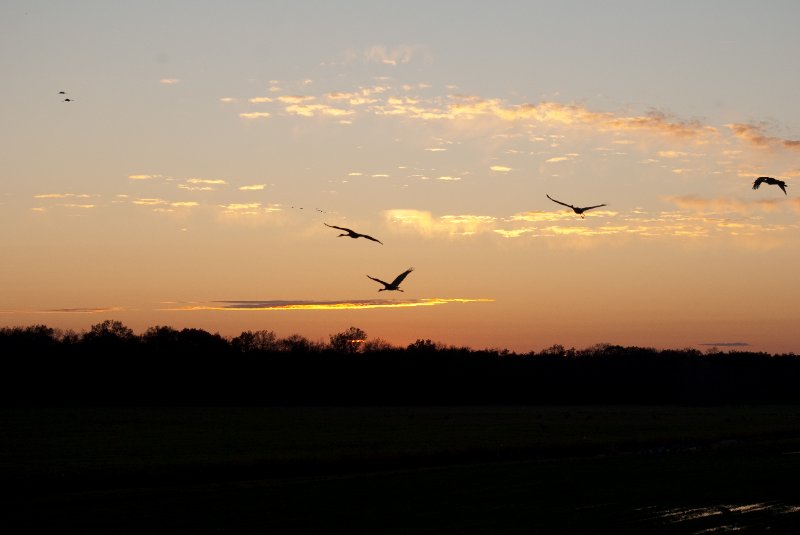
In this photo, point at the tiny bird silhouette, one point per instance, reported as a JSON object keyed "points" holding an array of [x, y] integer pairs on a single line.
{"points": [[69, 100], [62, 92], [395, 284], [771, 181], [352, 233], [577, 209]]}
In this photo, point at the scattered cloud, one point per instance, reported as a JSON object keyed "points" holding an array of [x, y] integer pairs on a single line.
{"points": [[257, 100], [78, 206], [671, 154], [149, 202], [184, 204], [254, 115], [143, 177], [327, 305], [195, 188], [62, 196], [310, 110], [397, 55], [721, 204], [97, 310], [426, 224], [169, 81], [296, 99], [725, 344], [754, 134], [227, 100], [252, 187], [500, 168], [214, 181], [239, 207]]}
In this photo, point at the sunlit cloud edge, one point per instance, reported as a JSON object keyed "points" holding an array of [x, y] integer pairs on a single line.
{"points": [[360, 304]]}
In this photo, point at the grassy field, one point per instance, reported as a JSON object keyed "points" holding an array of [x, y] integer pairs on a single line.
{"points": [[402, 469]]}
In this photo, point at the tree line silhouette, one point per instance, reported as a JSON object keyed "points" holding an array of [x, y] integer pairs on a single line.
{"points": [[110, 364]]}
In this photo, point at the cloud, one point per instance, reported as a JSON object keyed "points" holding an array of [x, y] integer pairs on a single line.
{"points": [[62, 196], [206, 181], [184, 204], [143, 177], [169, 81], [397, 55], [296, 99], [327, 305], [149, 202], [426, 224], [257, 100], [721, 204], [227, 100], [309, 110], [447, 178], [97, 310], [725, 344], [78, 206], [671, 154], [500, 168], [195, 188], [470, 107], [254, 115], [253, 187], [238, 207], [755, 135]]}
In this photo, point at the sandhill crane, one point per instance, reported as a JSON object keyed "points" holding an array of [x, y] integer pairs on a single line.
{"points": [[353, 234], [577, 209], [771, 181], [394, 285]]}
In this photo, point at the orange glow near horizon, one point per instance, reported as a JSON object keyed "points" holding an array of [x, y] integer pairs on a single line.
{"points": [[331, 305]]}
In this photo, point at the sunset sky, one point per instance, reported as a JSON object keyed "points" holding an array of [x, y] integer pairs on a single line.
{"points": [[206, 143]]}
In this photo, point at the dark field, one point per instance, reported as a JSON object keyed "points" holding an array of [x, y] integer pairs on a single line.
{"points": [[401, 470]]}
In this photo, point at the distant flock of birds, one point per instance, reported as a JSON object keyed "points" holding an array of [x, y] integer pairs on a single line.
{"points": [[579, 210]]}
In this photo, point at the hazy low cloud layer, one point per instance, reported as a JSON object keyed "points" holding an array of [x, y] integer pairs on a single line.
{"points": [[327, 305]]}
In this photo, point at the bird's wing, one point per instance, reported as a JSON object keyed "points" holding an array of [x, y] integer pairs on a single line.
{"points": [[782, 185], [378, 280], [371, 238], [559, 202], [340, 228], [758, 181], [597, 206], [400, 277]]}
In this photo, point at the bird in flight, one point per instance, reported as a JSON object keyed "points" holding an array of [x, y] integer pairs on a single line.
{"points": [[577, 209], [352, 233], [62, 92], [395, 284], [69, 100], [771, 181]]}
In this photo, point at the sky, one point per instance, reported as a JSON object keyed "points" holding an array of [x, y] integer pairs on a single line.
{"points": [[187, 180]]}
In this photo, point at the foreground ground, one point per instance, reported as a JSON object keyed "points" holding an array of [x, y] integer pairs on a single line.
{"points": [[402, 469]]}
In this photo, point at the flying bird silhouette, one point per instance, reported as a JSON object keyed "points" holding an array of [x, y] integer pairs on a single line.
{"points": [[771, 181], [577, 209], [69, 100], [353, 234], [395, 284], [62, 92]]}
